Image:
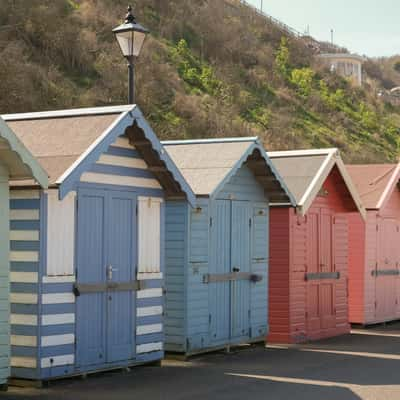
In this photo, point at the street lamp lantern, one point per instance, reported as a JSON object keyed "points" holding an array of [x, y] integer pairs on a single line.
{"points": [[130, 36]]}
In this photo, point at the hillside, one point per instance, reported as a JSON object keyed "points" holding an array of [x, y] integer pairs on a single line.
{"points": [[209, 68]]}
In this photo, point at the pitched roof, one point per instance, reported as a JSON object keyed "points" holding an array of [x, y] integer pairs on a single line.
{"points": [[305, 171], [374, 182], [208, 164], [67, 141], [16, 157]]}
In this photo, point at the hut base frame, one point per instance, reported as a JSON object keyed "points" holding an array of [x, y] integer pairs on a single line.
{"points": [[185, 355], [154, 359]]}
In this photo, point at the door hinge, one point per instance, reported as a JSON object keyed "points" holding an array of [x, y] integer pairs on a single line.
{"points": [[250, 332], [306, 314], [376, 304], [209, 319], [211, 221], [377, 227], [334, 220], [249, 314], [250, 222], [137, 211]]}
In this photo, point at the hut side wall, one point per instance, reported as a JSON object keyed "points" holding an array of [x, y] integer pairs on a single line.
{"points": [[242, 186], [357, 263], [279, 321], [4, 278], [43, 307], [176, 249], [25, 271]]}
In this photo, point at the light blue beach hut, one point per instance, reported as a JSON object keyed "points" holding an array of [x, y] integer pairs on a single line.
{"points": [[217, 252], [16, 163], [87, 292]]}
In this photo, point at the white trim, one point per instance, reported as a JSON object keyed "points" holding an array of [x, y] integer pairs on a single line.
{"points": [[24, 194], [24, 256], [31, 236], [280, 205], [23, 298], [148, 347], [23, 319], [345, 56], [389, 186], [205, 141], [148, 311], [54, 361], [58, 340], [93, 177], [300, 153], [147, 329], [94, 144], [24, 277], [24, 362], [149, 275], [77, 112], [58, 298], [58, 319], [313, 185], [59, 279], [25, 215], [121, 161], [123, 142], [149, 293], [21, 340]]}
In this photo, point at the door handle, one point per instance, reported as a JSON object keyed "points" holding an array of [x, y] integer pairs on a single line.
{"points": [[109, 272]]}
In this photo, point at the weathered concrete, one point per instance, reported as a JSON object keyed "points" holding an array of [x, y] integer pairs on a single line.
{"points": [[363, 366]]}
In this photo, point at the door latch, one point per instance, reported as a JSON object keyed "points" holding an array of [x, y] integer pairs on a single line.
{"points": [[109, 271]]}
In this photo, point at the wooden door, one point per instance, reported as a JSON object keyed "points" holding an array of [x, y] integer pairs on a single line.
{"points": [[327, 287], [106, 252], [313, 315], [219, 292], [240, 262]]}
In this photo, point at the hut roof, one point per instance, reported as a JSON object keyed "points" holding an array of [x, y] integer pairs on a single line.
{"points": [[68, 141], [305, 171], [375, 182], [17, 158], [208, 164]]}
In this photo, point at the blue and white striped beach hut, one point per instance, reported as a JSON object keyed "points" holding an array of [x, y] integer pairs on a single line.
{"points": [[16, 163], [217, 252], [87, 255]]}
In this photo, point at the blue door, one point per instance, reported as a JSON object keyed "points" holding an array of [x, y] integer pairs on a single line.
{"points": [[229, 300], [106, 252], [240, 241], [220, 292]]}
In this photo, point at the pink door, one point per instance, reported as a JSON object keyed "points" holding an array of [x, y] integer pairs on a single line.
{"points": [[313, 315], [327, 287], [386, 270], [321, 313]]}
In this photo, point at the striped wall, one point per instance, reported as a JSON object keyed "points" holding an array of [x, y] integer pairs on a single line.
{"points": [[43, 323], [24, 278]]}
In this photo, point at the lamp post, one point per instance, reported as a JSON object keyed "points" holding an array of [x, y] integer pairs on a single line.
{"points": [[130, 36]]}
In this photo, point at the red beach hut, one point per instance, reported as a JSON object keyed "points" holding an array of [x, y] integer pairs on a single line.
{"points": [[374, 270], [308, 297]]}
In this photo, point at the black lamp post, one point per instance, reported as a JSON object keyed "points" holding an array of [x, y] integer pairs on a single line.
{"points": [[130, 36]]}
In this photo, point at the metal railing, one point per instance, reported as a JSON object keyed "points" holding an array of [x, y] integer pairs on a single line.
{"points": [[312, 42]]}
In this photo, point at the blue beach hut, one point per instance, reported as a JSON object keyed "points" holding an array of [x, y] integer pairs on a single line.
{"points": [[217, 252], [16, 163], [87, 255]]}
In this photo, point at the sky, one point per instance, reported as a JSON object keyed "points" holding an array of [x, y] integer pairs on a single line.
{"points": [[366, 27]]}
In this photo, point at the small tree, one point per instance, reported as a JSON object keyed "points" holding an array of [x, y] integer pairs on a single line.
{"points": [[282, 58]]}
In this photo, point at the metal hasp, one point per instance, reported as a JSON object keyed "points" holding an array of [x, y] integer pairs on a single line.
{"points": [[85, 288], [233, 276], [311, 276], [385, 272]]}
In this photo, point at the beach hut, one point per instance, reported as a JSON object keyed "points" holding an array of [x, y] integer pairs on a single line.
{"points": [[216, 252], [86, 291], [374, 270], [309, 247], [16, 163]]}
